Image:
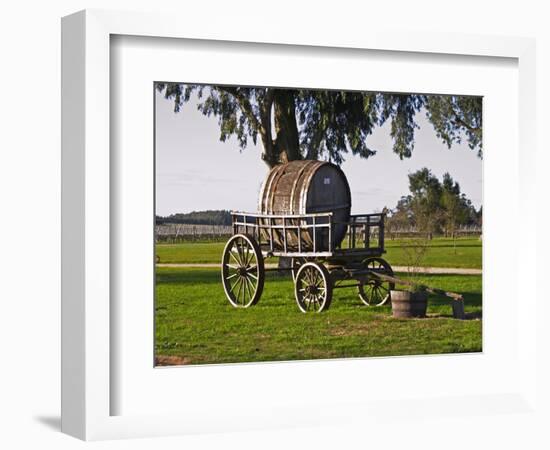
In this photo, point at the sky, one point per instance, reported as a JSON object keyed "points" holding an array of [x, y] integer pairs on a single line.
{"points": [[196, 171]]}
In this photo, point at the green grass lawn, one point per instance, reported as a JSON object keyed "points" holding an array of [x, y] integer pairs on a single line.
{"points": [[195, 324], [442, 253]]}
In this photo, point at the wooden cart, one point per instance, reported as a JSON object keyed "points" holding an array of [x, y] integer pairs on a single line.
{"points": [[317, 265]]}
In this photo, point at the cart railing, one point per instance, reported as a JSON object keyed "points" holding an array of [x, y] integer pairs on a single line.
{"points": [[368, 228], [311, 234], [282, 234]]}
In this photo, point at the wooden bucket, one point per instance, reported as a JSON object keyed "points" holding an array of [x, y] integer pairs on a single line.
{"points": [[406, 304]]}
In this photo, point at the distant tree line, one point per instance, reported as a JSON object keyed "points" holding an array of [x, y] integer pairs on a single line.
{"points": [[433, 206], [209, 217]]}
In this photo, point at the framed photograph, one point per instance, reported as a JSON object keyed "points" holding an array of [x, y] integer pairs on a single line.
{"points": [[250, 247], [301, 170]]}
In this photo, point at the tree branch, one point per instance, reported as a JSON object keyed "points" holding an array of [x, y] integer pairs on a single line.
{"points": [[315, 145], [461, 122], [244, 104]]}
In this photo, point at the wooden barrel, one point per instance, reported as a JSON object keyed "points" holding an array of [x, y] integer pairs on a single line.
{"points": [[408, 304], [303, 187]]}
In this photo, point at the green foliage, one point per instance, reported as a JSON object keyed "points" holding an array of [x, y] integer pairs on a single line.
{"points": [[455, 118], [316, 124], [425, 200], [331, 122], [400, 109], [433, 206]]}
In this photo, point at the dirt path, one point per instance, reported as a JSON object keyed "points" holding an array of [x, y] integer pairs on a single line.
{"points": [[429, 270]]}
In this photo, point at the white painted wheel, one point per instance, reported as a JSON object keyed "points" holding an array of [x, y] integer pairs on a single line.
{"points": [[313, 287], [376, 292], [243, 272]]}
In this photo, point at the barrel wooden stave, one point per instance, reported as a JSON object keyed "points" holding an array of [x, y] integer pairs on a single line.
{"points": [[304, 187]]}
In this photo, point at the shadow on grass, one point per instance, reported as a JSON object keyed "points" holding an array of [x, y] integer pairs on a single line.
{"points": [[204, 276], [470, 299], [475, 315], [187, 276]]}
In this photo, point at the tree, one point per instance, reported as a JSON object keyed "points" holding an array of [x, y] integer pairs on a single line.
{"points": [[454, 117], [401, 217], [457, 209], [433, 206], [305, 123], [425, 202]]}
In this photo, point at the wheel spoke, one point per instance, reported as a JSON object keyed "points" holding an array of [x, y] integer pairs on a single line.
{"points": [[248, 289], [317, 304], [239, 290], [232, 286], [251, 283], [239, 253], [234, 258], [252, 275], [310, 276], [305, 275], [248, 256]]}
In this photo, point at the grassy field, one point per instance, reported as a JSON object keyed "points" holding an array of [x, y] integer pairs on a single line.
{"points": [[440, 254], [195, 324]]}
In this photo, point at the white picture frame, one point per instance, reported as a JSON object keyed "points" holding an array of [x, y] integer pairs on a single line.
{"points": [[87, 386]]}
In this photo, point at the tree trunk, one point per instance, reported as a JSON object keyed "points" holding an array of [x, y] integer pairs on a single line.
{"points": [[270, 154], [287, 142]]}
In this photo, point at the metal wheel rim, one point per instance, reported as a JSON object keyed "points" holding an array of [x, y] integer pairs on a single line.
{"points": [[242, 272], [312, 288]]}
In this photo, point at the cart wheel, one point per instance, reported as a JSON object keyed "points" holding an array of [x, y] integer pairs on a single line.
{"points": [[243, 272], [313, 287], [376, 292], [295, 264]]}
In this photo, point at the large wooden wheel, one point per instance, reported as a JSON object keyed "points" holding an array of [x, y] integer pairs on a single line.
{"points": [[295, 264], [243, 272], [313, 287], [375, 292]]}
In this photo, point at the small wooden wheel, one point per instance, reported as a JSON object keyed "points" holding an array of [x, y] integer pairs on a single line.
{"points": [[375, 292], [243, 272], [313, 287]]}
